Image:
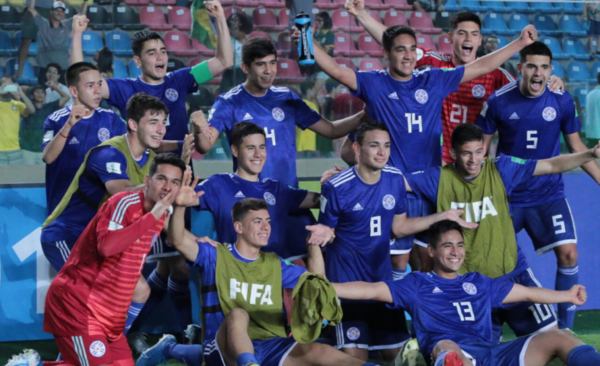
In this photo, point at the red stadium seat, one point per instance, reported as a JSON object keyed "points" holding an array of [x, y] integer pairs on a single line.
{"points": [[259, 34], [422, 22], [369, 45], [264, 19], [345, 105], [394, 17], [270, 3], [376, 5], [178, 43], [325, 5], [202, 49], [164, 2], [425, 41], [398, 4], [444, 45], [358, 28], [289, 71], [368, 64], [180, 17], [345, 46], [195, 61], [284, 43], [343, 21], [153, 18], [347, 63], [229, 11], [137, 2], [284, 17]]}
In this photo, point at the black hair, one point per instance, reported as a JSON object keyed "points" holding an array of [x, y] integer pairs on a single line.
{"points": [[77, 69], [392, 32], [139, 103], [138, 40], [243, 129], [241, 208], [34, 88], [56, 66], [327, 22], [246, 24], [369, 125], [537, 48], [464, 16], [438, 229], [257, 48], [166, 158], [466, 133], [104, 60]]}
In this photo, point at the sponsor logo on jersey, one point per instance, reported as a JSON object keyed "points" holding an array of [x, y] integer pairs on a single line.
{"points": [[549, 114], [269, 198], [476, 211], [97, 349], [421, 96], [389, 202], [514, 116], [257, 294], [394, 95], [357, 207], [239, 195], [113, 168], [478, 91], [353, 333], [103, 134], [171, 94], [73, 141], [247, 117], [469, 288], [437, 291], [278, 114]]}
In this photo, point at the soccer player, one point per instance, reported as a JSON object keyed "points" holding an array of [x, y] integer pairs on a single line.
{"points": [[365, 205], [242, 302], [222, 191], [452, 312], [71, 132], [530, 119], [86, 305]]}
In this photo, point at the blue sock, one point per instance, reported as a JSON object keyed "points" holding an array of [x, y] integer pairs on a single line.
{"points": [[583, 355], [187, 354], [246, 358], [132, 314], [398, 274], [179, 291], [566, 277]]}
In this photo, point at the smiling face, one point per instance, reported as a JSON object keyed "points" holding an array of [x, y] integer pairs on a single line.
{"points": [[88, 90], [402, 56], [255, 228], [261, 72], [536, 71], [251, 154], [448, 254], [151, 129], [52, 74], [167, 178], [39, 95], [58, 14], [468, 158], [465, 39], [153, 60], [374, 152]]}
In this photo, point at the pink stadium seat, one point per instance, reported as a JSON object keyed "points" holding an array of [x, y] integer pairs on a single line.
{"points": [[394, 17], [137, 2], [178, 43], [259, 34], [325, 5], [422, 22], [202, 49], [376, 5], [284, 17], [425, 41], [229, 11], [359, 28], [345, 46], [153, 18], [369, 45], [284, 43], [368, 64], [398, 4], [347, 63], [164, 2], [345, 105], [289, 71], [444, 45], [195, 61], [270, 3], [343, 21], [264, 19], [180, 17]]}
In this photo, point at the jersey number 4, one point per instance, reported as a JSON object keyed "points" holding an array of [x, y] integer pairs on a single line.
{"points": [[271, 135], [465, 311]]}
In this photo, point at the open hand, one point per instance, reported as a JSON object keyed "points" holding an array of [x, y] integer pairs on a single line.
{"points": [[328, 174], [454, 215], [187, 195], [320, 235]]}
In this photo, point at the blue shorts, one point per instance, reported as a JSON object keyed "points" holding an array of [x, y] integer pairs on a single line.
{"points": [[371, 326], [270, 352], [548, 225], [57, 252], [161, 249], [505, 354], [524, 318], [295, 234], [416, 207]]}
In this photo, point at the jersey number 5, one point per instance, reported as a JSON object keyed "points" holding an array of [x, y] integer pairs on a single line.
{"points": [[465, 311]]}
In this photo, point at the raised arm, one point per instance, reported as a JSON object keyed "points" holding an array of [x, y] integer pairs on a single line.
{"points": [[31, 8], [564, 163], [404, 226], [576, 295], [64, 96], [205, 136], [347, 153], [487, 140], [57, 144], [339, 128], [378, 291], [575, 145], [315, 262], [224, 56], [27, 101], [357, 8]]}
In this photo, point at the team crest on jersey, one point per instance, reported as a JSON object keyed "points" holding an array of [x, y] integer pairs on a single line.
{"points": [[97, 349], [103, 134], [171, 94], [353, 333], [269, 198], [478, 91], [389, 202], [469, 288], [549, 114], [278, 114], [421, 96]]}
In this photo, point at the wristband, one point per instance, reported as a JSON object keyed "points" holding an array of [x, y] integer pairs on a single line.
{"points": [[63, 135], [201, 73], [180, 145]]}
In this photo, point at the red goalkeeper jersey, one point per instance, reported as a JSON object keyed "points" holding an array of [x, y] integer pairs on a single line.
{"points": [[464, 105], [93, 291]]}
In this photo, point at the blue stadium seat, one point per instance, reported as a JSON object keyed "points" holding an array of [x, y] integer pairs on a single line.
{"points": [[580, 93], [29, 76], [554, 45], [120, 43], [119, 69], [546, 7], [516, 22], [522, 7], [495, 24], [545, 25], [571, 26], [472, 5], [502, 41], [33, 46], [497, 6], [6, 45], [571, 7], [558, 70], [574, 48], [595, 69], [577, 71], [91, 42], [452, 6], [134, 71]]}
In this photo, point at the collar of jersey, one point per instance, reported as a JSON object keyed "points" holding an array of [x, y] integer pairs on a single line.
{"points": [[88, 117], [237, 254]]}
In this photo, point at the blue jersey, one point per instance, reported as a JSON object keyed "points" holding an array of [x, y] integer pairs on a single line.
{"points": [[279, 111], [104, 164], [206, 262], [89, 132], [412, 111], [530, 128], [222, 191], [458, 309], [362, 215], [172, 91]]}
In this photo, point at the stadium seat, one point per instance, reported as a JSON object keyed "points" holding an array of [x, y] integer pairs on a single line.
{"points": [[398, 4], [195, 61], [164, 2], [6, 45], [178, 43], [571, 26], [545, 25], [33, 46], [368, 64], [546, 7], [422, 22], [202, 49], [288, 70], [70, 11], [126, 18], [346, 62], [452, 6], [9, 18], [497, 6], [284, 16], [595, 69], [119, 69], [265, 20], [344, 45], [343, 21], [444, 45], [234, 9], [442, 20], [376, 5], [554, 45], [571, 7], [577, 71], [284, 43], [275, 4], [494, 23], [370, 46], [19, 3], [134, 70], [345, 105], [29, 76], [256, 34], [521, 7], [175, 64], [325, 5], [574, 48], [91, 42], [425, 41], [153, 18], [557, 69], [372, 13], [119, 42], [580, 93], [180, 18], [394, 17], [99, 17], [137, 3], [472, 5], [516, 22]]}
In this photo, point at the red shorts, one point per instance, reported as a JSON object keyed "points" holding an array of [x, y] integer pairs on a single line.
{"points": [[88, 350]]}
